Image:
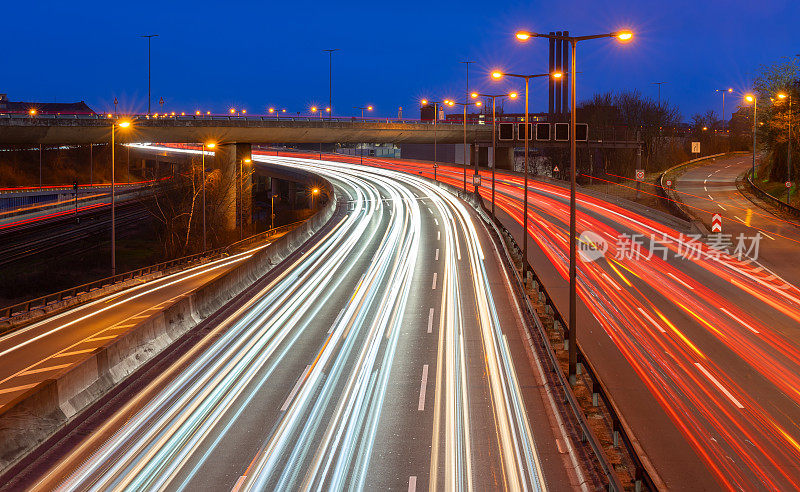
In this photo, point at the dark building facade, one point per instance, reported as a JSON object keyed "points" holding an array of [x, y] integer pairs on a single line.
{"points": [[21, 107]]}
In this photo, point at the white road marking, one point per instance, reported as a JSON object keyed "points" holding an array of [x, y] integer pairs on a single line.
{"points": [[436, 221], [422, 387], [705, 181], [723, 208], [705, 189], [734, 317], [644, 313], [681, 281], [430, 321], [710, 196], [438, 235], [437, 255], [433, 287], [295, 389], [412, 483], [719, 385], [609, 280]]}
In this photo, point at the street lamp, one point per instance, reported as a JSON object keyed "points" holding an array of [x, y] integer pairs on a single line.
{"points": [[512, 95], [436, 104], [276, 112], [788, 95], [368, 108], [114, 124], [464, 105], [498, 75], [206, 145], [723, 91], [624, 37], [752, 98]]}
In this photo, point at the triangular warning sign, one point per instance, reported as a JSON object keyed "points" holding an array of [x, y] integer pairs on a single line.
{"points": [[555, 169]]}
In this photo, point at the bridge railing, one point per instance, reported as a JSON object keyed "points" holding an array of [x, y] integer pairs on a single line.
{"points": [[234, 118], [183, 262]]}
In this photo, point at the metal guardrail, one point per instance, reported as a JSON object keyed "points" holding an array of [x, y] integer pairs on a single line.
{"points": [[599, 390], [772, 199], [43, 301]]}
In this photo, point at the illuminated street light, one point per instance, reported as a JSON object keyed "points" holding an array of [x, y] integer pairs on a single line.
{"points": [[367, 108], [724, 91], [784, 95], [464, 105], [206, 145], [497, 75], [32, 112], [436, 104], [623, 36], [122, 124], [512, 95], [752, 99]]}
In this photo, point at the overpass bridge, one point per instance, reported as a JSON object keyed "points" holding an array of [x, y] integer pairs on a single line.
{"points": [[86, 129]]}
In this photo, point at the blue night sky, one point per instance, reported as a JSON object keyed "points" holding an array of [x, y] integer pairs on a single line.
{"points": [[215, 55]]}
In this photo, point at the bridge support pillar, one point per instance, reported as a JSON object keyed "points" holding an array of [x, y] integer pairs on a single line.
{"points": [[234, 199], [505, 158]]}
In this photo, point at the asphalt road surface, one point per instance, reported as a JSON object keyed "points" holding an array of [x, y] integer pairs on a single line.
{"points": [[711, 189], [33, 353], [699, 348], [387, 355]]}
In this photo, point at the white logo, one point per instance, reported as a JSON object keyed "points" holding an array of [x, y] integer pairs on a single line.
{"points": [[591, 246]]}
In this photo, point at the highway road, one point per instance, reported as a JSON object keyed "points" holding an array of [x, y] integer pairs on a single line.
{"points": [[385, 355], [700, 350], [711, 189], [33, 353]]}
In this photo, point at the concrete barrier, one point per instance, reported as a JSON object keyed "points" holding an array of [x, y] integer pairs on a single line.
{"points": [[41, 411]]}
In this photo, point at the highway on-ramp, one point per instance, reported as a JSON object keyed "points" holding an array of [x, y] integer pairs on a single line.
{"points": [[386, 355], [711, 189]]}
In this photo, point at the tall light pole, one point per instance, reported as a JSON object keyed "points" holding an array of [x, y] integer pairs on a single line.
{"points": [[623, 36], [659, 84], [723, 91], [464, 105], [467, 63], [330, 80], [114, 125], [497, 75], [149, 38], [206, 145], [512, 95], [436, 104], [752, 98], [788, 95]]}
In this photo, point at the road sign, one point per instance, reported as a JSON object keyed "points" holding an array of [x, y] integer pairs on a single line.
{"points": [[788, 184], [716, 223], [695, 147], [555, 169], [669, 183], [476, 180], [640, 175]]}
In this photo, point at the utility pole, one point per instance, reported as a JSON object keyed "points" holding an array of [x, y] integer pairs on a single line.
{"points": [[659, 84], [330, 81], [149, 38]]}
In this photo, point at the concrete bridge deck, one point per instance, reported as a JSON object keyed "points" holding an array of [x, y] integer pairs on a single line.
{"points": [[85, 129]]}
